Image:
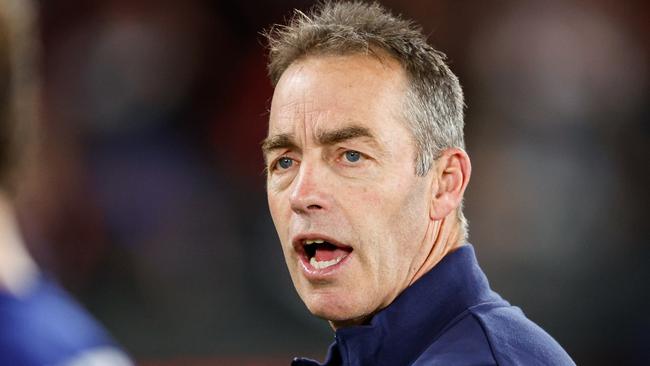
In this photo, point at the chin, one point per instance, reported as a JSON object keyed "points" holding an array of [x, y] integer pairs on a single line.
{"points": [[340, 311]]}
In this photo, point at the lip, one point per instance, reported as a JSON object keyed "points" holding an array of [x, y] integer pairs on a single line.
{"points": [[315, 274]]}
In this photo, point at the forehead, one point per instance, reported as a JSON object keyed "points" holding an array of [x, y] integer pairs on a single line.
{"points": [[323, 92]]}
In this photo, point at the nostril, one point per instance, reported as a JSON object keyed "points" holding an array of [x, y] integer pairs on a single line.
{"points": [[314, 207]]}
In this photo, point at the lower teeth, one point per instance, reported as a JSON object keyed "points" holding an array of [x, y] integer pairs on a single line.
{"points": [[320, 265]]}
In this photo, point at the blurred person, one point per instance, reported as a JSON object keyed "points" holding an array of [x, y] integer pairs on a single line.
{"points": [[366, 176], [40, 324]]}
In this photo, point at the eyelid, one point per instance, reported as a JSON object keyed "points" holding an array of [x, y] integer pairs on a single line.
{"points": [[275, 154]]}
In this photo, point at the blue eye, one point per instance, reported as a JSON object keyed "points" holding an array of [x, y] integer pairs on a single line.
{"points": [[285, 163], [352, 156]]}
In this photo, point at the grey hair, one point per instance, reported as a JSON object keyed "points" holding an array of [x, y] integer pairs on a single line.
{"points": [[434, 98]]}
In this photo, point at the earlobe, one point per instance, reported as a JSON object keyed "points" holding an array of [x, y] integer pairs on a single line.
{"points": [[452, 172]]}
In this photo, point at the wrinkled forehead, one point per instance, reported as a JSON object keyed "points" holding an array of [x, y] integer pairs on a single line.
{"points": [[323, 92]]}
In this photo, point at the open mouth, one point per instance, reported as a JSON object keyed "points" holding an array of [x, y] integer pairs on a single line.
{"points": [[322, 254]]}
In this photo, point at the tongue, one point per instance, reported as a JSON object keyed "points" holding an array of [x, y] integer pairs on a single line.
{"points": [[328, 254]]}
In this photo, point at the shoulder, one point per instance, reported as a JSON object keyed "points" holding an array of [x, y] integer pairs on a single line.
{"points": [[493, 334], [515, 339], [462, 342], [47, 326]]}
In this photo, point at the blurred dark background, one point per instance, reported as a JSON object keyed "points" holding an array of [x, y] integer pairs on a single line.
{"points": [[149, 204]]}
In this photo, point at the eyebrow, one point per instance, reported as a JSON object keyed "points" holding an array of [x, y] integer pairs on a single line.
{"points": [[276, 142], [343, 134], [287, 140]]}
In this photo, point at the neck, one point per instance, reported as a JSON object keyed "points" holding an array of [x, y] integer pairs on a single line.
{"points": [[17, 269], [445, 236]]}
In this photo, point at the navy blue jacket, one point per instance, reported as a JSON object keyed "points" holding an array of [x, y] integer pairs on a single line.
{"points": [[448, 317]]}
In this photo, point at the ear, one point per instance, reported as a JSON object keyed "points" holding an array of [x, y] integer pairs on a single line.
{"points": [[452, 171]]}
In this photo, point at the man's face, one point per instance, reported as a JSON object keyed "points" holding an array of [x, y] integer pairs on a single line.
{"points": [[350, 212]]}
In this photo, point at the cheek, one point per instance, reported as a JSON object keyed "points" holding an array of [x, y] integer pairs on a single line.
{"points": [[401, 226], [362, 201], [273, 209], [278, 209]]}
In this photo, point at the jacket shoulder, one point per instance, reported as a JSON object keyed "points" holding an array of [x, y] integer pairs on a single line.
{"points": [[463, 342], [493, 334], [516, 340]]}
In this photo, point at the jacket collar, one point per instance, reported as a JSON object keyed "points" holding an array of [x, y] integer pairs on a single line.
{"points": [[400, 332]]}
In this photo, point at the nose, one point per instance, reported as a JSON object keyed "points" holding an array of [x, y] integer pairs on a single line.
{"points": [[309, 193]]}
